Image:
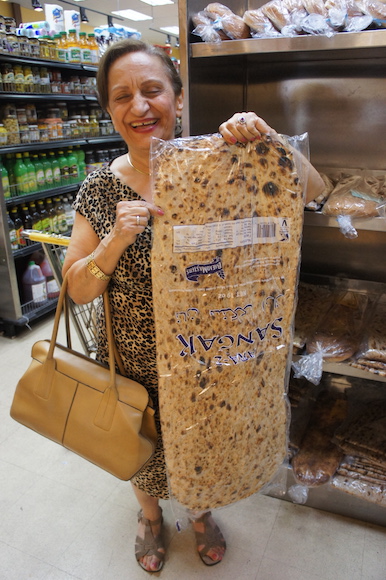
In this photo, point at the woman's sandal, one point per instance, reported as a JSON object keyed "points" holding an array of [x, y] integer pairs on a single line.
{"points": [[210, 538], [150, 545]]}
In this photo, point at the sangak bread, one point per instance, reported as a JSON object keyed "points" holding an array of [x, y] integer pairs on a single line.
{"points": [[225, 268]]}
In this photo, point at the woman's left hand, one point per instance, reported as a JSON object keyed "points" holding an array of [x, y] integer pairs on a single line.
{"points": [[244, 127]]}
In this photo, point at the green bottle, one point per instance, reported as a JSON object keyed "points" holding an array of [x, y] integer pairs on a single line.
{"points": [[55, 169], [61, 216], [21, 175], [64, 168], [33, 185], [48, 178], [81, 162], [9, 163], [5, 180], [39, 172], [73, 165]]}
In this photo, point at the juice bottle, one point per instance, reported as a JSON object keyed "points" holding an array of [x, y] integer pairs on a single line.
{"points": [[85, 49], [44, 217], [73, 47], [73, 165], [21, 175], [55, 169], [33, 185], [5, 180], [48, 177], [64, 168], [52, 285], [34, 284], [63, 47], [39, 172], [94, 49]]}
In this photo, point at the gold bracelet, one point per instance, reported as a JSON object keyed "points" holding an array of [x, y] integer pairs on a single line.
{"points": [[95, 270]]}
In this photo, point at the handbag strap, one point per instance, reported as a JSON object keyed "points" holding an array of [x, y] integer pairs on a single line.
{"points": [[106, 410]]}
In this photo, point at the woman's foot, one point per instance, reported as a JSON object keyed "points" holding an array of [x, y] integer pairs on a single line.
{"points": [[149, 546], [211, 545]]}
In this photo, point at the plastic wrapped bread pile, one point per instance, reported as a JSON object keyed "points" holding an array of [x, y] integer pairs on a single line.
{"points": [[225, 263]]}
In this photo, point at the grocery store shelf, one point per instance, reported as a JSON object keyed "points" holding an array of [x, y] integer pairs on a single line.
{"points": [[315, 218], [369, 39]]}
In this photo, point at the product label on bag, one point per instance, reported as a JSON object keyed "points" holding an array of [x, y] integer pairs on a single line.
{"points": [[230, 234]]}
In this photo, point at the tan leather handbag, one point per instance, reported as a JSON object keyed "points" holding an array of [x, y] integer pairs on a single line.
{"points": [[88, 408]]}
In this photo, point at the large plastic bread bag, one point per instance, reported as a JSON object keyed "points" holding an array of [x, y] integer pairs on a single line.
{"points": [[225, 260]]}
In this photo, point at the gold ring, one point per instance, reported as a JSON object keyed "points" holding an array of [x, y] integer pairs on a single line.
{"points": [[138, 222]]}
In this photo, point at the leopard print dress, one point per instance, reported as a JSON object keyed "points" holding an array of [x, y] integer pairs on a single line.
{"points": [[130, 291]]}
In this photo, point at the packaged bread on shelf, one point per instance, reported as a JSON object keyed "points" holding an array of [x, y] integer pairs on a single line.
{"points": [[224, 20], [225, 261]]}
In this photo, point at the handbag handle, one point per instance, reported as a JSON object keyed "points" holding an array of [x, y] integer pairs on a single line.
{"points": [[105, 413]]}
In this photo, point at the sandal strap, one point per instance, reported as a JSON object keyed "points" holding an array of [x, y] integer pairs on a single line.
{"points": [[150, 544], [211, 538]]}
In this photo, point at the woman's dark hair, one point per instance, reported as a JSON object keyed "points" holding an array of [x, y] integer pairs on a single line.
{"points": [[127, 46]]}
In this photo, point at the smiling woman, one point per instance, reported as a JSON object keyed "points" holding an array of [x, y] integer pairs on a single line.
{"points": [[141, 90]]}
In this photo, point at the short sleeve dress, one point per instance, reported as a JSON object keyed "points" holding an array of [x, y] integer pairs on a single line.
{"points": [[130, 292]]}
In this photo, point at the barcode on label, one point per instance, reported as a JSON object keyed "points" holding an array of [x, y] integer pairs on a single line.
{"points": [[265, 231]]}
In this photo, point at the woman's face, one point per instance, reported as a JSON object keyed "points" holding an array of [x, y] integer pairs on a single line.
{"points": [[142, 103]]}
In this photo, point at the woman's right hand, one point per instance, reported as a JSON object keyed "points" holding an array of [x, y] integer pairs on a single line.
{"points": [[133, 218]]}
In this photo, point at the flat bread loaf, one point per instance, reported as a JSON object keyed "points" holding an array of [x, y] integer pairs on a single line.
{"points": [[225, 262]]}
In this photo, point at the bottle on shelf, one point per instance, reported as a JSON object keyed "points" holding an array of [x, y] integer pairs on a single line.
{"points": [[26, 217], [21, 175], [47, 168], [94, 49], [36, 219], [73, 47], [55, 169], [85, 49], [44, 217], [81, 162], [60, 216], [12, 233], [33, 184], [64, 168], [69, 212], [5, 180], [63, 47], [9, 163], [53, 290], [73, 166], [19, 228], [54, 228], [34, 285], [39, 172]]}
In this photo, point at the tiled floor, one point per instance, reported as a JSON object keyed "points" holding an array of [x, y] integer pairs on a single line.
{"points": [[62, 518]]}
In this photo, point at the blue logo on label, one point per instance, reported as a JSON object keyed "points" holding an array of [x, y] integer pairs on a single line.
{"points": [[215, 267]]}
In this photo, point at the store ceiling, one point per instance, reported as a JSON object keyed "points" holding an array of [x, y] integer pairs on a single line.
{"points": [[162, 16]]}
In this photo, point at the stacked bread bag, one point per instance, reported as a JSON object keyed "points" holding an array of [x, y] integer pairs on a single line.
{"points": [[225, 262]]}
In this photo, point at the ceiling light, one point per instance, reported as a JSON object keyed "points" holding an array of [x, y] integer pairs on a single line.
{"points": [[132, 15], [157, 2], [37, 6], [173, 30], [83, 15]]}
